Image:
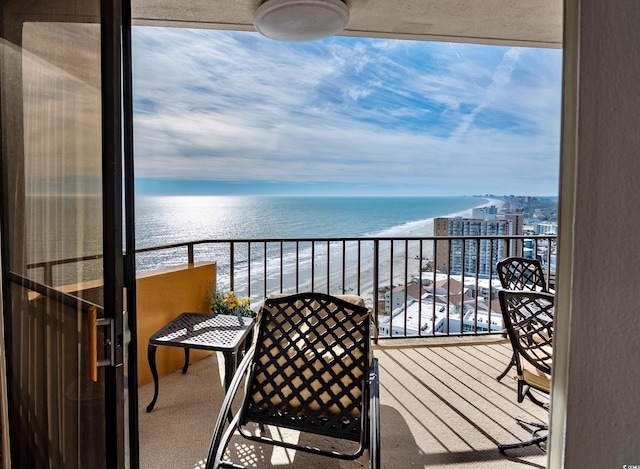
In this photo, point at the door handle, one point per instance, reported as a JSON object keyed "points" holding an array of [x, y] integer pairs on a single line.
{"points": [[93, 344], [109, 342]]}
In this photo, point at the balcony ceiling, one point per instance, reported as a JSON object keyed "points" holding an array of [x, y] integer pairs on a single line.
{"points": [[527, 23]]}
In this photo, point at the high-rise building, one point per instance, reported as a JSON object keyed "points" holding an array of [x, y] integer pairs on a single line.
{"points": [[546, 228], [470, 255], [516, 227], [485, 213]]}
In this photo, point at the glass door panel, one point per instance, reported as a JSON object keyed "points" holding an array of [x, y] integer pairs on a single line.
{"points": [[62, 296]]}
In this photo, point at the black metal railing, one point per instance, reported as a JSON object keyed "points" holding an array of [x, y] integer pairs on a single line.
{"points": [[414, 286]]}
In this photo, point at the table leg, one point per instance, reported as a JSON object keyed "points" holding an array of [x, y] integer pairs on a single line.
{"points": [[151, 355], [248, 342], [186, 360], [229, 368]]}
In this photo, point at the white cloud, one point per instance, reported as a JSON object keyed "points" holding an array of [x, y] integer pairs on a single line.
{"points": [[215, 105]]}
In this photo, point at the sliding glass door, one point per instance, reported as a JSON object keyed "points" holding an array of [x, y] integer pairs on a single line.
{"points": [[63, 268]]}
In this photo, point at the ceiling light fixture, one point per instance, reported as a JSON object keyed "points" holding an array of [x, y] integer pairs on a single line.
{"points": [[301, 20]]}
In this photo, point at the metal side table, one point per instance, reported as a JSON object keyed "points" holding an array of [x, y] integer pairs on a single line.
{"points": [[203, 331]]}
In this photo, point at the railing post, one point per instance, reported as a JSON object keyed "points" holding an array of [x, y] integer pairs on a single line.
{"points": [[264, 270], [477, 282], [406, 281], [249, 268], [376, 312], [344, 265], [329, 267], [232, 260], [313, 265], [190, 256], [48, 275], [359, 266], [281, 266], [297, 266]]}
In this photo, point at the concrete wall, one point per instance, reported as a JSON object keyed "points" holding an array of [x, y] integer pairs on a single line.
{"points": [[161, 296], [597, 336]]}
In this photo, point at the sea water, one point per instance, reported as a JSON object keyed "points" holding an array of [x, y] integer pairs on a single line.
{"points": [[171, 219], [165, 220], [75, 229]]}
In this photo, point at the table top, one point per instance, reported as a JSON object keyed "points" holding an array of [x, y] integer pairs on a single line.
{"points": [[218, 332]]}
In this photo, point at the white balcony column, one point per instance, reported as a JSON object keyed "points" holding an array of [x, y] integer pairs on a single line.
{"points": [[594, 415]]}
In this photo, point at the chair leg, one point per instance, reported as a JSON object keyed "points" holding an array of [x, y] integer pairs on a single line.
{"points": [[531, 423], [506, 370], [536, 439], [536, 401]]}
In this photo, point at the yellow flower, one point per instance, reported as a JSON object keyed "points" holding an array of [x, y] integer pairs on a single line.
{"points": [[231, 299], [229, 303]]}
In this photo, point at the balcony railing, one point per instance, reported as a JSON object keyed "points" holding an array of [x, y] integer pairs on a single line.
{"points": [[414, 286]]}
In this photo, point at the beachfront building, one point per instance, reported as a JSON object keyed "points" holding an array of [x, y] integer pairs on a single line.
{"points": [[546, 228], [439, 284], [485, 290], [431, 316], [485, 213], [458, 256], [516, 227], [396, 297], [447, 305]]}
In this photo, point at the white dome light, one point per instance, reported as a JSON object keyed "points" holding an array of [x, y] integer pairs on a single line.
{"points": [[301, 20]]}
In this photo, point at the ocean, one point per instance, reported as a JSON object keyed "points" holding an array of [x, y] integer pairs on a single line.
{"points": [[163, 220], [172, 219]]}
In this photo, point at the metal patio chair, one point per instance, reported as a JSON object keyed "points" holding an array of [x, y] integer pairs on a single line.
{"points": [[310, 370], [528, 317], [519, 273]]}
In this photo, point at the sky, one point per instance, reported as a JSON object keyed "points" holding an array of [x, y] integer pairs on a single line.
{"points": [[224, 112]]}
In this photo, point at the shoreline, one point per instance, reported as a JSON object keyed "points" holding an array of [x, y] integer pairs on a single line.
{"points": [[410, 257]]}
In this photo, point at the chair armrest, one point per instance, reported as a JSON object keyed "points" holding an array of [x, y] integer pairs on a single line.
{"points": [[226, 406]]}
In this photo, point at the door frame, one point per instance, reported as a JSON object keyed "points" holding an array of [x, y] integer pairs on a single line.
{"points": [[121, 424]]}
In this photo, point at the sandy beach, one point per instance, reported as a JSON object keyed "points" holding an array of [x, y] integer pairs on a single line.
{"points": [[410, 257]]}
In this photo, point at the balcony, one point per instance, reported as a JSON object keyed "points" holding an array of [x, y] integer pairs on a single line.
{"points": [[441, 404]]}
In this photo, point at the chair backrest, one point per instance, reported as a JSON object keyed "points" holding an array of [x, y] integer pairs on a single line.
{"points": [[528, 317], [519, 273], [310, 365]]}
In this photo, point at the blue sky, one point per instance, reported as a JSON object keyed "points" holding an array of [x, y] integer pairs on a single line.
{"points": [[233, 112]]}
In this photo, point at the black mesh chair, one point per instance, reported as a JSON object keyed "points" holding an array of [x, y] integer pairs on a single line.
{"points": [[519, 273], [528, 317], [310, 370]]}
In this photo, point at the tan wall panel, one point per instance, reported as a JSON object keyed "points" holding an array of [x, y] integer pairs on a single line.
{"points": [[161, 296]]}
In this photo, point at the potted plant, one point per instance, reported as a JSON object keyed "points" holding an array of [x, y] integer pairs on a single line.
{"points": [[230, 303]]}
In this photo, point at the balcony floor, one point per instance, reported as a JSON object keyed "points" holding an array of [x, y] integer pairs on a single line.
{"points": [[441, 407]]}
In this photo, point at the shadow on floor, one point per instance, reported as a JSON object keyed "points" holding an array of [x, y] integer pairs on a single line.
{"points": [[441, 407]]}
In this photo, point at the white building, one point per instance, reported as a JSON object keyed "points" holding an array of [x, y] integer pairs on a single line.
{"points": [[396, 297], [418, 319], [547, 228]]}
